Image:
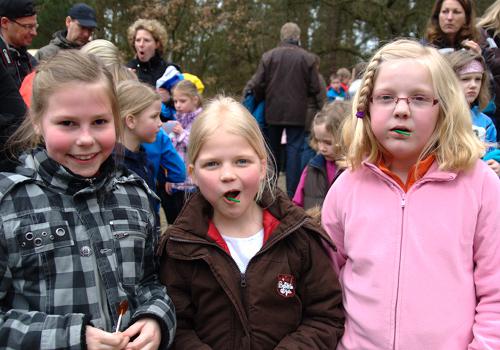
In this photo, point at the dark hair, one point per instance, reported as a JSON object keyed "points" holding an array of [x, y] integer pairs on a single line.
{"points": [[435, 35]]}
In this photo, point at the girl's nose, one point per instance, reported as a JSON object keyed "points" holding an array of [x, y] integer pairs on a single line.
{"points": [[402, 108], [227, 175], [85, 138]]}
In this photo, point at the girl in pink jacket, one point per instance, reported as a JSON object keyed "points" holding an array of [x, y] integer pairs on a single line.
{"points": [[415, 218]]}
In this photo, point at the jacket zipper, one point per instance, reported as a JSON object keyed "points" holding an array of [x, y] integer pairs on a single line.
{"points": [[403, 204]]}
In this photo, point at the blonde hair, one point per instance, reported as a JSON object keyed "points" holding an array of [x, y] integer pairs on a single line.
{"points": [[459, 59], [66, 67], [111, 57], [154, 27], [491, 18], [290, 31], [228, 114], [332, 116], [134, 97], [452, 142], [188, 88]]}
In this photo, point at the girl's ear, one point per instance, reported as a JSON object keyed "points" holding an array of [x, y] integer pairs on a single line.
{"points": [[263, 169], [36, 126], [130, 122], [191, 173]]}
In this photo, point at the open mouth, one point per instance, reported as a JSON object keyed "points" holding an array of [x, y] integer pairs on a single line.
{"points": [[232, 196]]}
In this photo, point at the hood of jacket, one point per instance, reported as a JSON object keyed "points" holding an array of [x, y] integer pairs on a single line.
{"points": [[59, 39]]}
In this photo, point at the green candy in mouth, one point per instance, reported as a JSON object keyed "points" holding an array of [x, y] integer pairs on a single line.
{"points": [[233, 199], [402, 132]]}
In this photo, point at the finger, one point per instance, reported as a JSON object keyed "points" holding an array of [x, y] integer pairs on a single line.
{"points": [[142, 342], [133, 329], [114, 339]]}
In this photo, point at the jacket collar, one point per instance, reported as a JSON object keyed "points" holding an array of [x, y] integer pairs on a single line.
{"points": [[433, 174], [192, 224], [61, 41], [38, 165]]}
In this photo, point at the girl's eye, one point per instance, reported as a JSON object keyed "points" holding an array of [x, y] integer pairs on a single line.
{"points": [[211, 164], [419, 98], [100, 122], [242, 161], [66, 123], [384, 98]]}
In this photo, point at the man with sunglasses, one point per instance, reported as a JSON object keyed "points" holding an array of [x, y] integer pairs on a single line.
{"points": [[80, 24], [18, 27]]}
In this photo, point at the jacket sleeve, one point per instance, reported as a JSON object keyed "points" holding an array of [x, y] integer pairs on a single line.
{"points": [[334, 227], [486, 252], [178, 287], [171, 161], [152, 296], [34, 330], [323, 318], [259, 82]]}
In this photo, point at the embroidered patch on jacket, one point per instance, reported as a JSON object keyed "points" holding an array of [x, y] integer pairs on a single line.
{"points": [[286, 286]]}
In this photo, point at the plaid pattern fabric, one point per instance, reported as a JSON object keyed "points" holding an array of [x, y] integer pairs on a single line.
{"points": [[71, 249]]}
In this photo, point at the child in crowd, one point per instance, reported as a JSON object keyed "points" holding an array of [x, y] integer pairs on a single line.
{"points": [[345, 78], [77, 233], [164, 86], [415, 218], [140, 116], [329, 162], [335, 91], [245, 267], [188, 106], [473, 76]]}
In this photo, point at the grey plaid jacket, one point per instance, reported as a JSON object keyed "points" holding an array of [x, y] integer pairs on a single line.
{"points": [[71, 249]]}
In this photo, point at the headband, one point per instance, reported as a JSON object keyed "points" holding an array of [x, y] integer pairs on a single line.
{"points": [[473, 67]]}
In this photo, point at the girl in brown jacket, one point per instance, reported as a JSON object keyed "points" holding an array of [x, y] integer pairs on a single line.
{"points": [[246, 269]]}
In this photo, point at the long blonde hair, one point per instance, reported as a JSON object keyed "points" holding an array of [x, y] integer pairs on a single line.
{"points": [[491, 18], [452, 142], [233, 117], [134, 97], [66, 67], [111, 57]]}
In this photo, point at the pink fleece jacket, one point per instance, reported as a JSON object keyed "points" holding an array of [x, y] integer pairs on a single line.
{"points": [[419, 270]]}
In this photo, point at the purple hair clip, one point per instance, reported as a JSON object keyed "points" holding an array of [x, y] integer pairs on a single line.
{"points": [[360, 114]]}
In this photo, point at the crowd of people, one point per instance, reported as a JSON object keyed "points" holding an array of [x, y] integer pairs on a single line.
{"points": [[386, 237]]}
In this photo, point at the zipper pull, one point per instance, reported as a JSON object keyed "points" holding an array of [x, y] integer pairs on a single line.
{"points": [[403, 202], [243, 280]]}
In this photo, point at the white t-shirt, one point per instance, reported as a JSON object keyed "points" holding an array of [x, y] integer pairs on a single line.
{"points": [[243, 249]]}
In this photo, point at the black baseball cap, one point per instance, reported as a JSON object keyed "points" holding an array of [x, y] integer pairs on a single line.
{"points": [[17, 8], [84, 14]]}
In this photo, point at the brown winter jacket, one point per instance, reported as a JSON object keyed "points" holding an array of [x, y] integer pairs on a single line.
{"points": [[220, 308], [285, 78]]}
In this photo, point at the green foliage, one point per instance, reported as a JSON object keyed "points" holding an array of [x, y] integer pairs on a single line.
{"points": [[222, 41]]}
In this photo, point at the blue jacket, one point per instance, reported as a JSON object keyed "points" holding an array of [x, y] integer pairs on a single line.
{"points": [[164, 156], [483, 127]]}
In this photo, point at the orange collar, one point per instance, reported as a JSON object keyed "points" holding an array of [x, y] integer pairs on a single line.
{"points": [[413, 175], [269, 222]]}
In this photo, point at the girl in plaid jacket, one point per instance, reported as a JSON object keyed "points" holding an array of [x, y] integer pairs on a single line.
{"points": [[77, 232]]}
